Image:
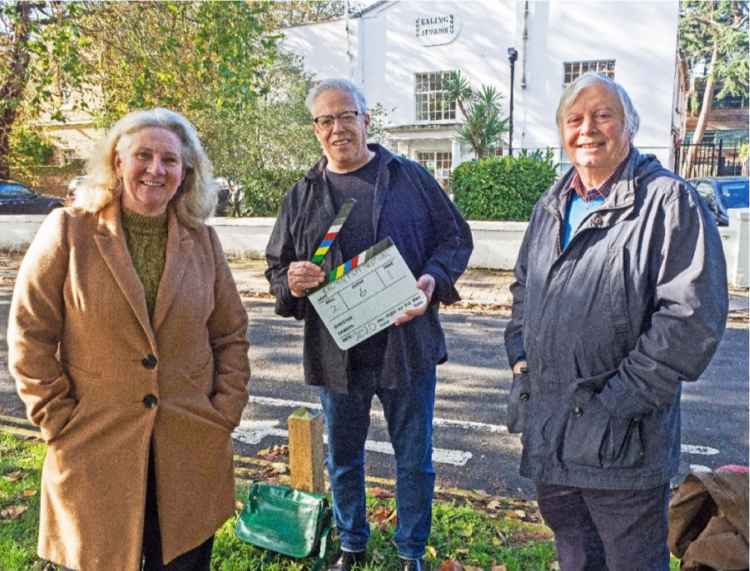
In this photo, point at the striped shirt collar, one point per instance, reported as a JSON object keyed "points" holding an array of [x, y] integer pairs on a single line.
{"points": [[576, 184]]}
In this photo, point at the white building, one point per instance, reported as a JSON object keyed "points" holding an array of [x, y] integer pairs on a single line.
{"points": [[399, 51]]}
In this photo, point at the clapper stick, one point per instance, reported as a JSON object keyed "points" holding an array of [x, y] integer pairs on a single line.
{"points": [[333, 231]]}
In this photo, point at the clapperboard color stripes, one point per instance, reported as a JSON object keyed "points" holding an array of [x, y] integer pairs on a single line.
{"points": [[328, 239]]}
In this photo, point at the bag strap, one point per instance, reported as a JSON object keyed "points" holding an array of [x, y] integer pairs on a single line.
{"points": [[324, 535]]}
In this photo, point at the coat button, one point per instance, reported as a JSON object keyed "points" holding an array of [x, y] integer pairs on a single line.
{"points": [[150, 401], [578, 411], [596, 220], [149, 361], [524, 396]]}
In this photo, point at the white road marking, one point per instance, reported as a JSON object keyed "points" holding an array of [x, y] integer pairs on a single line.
{"points": [[253, 432], [700, 450], [462, 424], [4, 302], [699, 468], [465, 424]]}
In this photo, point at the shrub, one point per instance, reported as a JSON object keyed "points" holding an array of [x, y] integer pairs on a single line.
{"points": [[264, 189], [502, 188]]}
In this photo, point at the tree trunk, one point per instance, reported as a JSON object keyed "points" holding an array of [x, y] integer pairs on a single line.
{"points": [[685, 93], [708, 99], [11, 92]]}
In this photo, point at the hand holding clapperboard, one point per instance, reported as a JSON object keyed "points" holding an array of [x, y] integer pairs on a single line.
{"points": [[366, 294]]}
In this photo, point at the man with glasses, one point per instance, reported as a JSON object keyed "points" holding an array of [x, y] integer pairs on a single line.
{"points": [[395, 198]]}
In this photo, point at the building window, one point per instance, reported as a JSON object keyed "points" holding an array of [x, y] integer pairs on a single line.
{"points": [[430, 94], [438, 163], [575, 69]]}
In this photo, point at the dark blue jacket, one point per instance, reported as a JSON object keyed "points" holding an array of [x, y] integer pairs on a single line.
{"points": [[433, 238], [611, 327]]}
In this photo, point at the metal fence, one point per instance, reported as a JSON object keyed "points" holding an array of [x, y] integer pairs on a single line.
{"points": [[707, 159]]}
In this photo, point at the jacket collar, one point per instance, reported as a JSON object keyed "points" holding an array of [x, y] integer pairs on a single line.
{"points": [[316, 178], [317, 171], [112, 245], [621, 197]]}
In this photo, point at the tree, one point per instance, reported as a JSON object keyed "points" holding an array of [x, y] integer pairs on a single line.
{"points": [[483, 126], [207, 60], [713, 51]]}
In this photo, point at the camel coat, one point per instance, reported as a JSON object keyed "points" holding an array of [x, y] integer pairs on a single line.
{"points": [[103, 382]]}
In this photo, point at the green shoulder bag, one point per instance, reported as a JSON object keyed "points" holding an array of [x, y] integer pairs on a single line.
{"points": [[285, 520]]}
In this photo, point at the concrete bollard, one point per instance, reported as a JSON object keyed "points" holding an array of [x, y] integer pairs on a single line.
{"points": [[306, 451]]}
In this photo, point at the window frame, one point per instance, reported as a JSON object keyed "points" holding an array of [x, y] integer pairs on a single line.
{"points": [[605, 67], [429, 97]]}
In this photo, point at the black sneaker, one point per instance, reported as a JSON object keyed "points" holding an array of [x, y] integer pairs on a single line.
{"points": [[413, 565], [348, 560]]}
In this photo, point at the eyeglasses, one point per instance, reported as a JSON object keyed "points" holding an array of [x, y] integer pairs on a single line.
{"points": [[326, 121]]}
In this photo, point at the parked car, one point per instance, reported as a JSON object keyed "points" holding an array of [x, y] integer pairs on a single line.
{"points": [[722, 193], [73, 185], [17, 198]]}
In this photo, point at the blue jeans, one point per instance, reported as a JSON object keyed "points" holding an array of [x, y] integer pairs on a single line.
{"points": [[607, 530], [408, 413]]}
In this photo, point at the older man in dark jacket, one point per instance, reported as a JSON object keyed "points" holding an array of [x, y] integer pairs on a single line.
{"points": [[620, 296], [395, 198]]}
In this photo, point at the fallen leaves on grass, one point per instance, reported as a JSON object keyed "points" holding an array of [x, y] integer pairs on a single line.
{"points": [[453, 565], [274, 452], [383, 516], [13, 476], [28, 493], [381, 493], [13, 512]]}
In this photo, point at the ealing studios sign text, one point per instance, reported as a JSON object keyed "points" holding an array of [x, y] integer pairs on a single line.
{"points": [[437, 30]]}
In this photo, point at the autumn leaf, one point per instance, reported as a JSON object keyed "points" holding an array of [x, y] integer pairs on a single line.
{"points": [[494, 505], [450, 565], [430, 553], [13, 476], [381, 493], [279, 468], [13, 512], [382, 516], [29, 493]]}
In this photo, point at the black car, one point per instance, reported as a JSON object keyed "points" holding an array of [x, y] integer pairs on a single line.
{"points": [[16, 198], [722, 193]]}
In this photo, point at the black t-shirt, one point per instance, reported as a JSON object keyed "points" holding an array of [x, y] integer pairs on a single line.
{"points": [[355, 237]]}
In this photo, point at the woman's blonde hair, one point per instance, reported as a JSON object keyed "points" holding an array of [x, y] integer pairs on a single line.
{"points": [[195, 199]]}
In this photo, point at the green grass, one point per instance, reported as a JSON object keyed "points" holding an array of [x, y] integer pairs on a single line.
{"points": [[460, 532], [18, 536]]}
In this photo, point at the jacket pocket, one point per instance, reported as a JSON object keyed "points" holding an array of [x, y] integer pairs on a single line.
{"points": [[593, 437], [518, 403]]}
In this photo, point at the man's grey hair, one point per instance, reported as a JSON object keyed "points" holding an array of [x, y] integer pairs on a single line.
{"points": [[571, 93], [337, 85]]}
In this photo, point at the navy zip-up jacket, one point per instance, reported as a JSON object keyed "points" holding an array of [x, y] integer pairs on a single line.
{"points": [[611, 327], [433, 238]]}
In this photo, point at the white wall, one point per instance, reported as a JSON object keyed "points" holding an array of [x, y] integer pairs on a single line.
{"points": [[639, 35], [496, 244]]}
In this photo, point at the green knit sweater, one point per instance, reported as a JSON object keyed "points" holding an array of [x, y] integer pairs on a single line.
{"points": [[147, 242]]}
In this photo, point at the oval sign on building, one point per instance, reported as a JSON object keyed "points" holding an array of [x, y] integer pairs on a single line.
{"points": [[437, 29]]}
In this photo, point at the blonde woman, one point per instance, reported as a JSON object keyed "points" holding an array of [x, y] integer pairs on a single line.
{"points": [[127, 340]]}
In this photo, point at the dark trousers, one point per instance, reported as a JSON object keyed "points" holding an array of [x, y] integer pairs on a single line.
{"points": [[607, 530], [197, 559]]}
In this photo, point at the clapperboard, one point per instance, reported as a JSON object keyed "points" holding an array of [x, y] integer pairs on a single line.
{"points": [[364, 295]]}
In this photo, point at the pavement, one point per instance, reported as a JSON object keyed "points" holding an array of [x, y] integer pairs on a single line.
{"points": [[480, 289]]}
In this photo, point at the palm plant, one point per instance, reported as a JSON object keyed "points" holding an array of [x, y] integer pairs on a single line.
{"points": [[483, 126]]}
